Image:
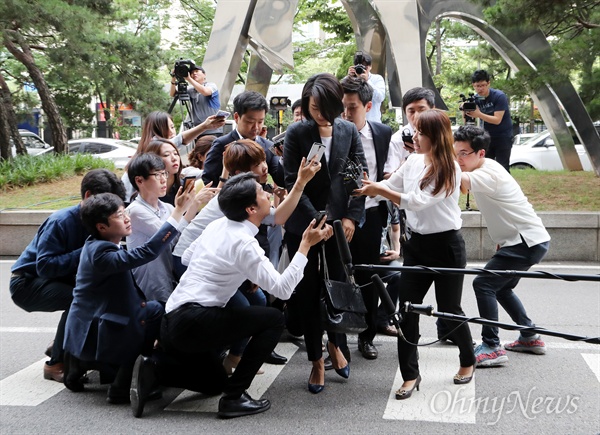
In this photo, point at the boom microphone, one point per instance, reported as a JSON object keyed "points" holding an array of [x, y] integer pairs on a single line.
{"points": [[419, 309], [343, 247]]}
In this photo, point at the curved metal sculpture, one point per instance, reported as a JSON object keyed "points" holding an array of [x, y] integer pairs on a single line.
{"points": [[394, 33]]}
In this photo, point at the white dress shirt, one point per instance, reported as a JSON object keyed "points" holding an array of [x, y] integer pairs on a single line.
{"points": [[222, 258], [425, 213], [366, 138], [378, 84]]}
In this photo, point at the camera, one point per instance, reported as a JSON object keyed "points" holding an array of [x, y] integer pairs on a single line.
{"points": [[182, 68], [407, 136], [358, 63], [468, 102]]}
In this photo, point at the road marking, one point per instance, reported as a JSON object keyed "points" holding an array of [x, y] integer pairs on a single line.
{"points": [[190, 401], [23, 329], [27, 387], [593, 360], [439, 399]]}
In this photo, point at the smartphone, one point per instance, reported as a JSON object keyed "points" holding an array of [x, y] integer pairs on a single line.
{"points": [[318, 149], [187, 181], [222, 114], [318, 217]]}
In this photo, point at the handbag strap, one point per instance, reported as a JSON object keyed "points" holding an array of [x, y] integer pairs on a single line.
{"points": [[324, 262]]}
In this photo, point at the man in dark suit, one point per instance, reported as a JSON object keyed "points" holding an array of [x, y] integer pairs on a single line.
{"points": [[250, 109], [366, 243], [110, 322]]}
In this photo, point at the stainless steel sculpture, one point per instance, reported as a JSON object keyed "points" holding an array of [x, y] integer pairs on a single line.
{"points": [[394, 33]]}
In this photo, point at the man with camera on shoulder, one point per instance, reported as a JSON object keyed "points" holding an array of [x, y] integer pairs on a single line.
{"points": [[203, 95], [362, 68]]}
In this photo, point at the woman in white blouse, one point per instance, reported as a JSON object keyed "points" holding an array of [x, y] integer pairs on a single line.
{"points": [[427, 187]]}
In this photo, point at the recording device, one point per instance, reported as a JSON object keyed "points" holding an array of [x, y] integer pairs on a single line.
{"points": [[182, 68], [318, 217], [468, 105], [417, 308], [318, 149], [222, 114], [407, 136], [278, 143], [187, 181], [358, 63]]}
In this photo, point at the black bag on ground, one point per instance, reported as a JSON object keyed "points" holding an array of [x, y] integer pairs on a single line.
{"points": [[342, 307]]}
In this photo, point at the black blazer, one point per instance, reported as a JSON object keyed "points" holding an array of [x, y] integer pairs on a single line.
{"points": [[106, 319], [382, 134], [213, 165], [326, 190]]}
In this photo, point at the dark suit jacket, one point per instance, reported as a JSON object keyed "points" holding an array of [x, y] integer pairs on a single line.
{"points": [[326, 190], [382, 134], [107, 315], [213, 165]]}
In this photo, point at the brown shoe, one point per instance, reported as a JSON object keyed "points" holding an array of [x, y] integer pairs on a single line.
{"points": [[387, 330], [54, 372]]}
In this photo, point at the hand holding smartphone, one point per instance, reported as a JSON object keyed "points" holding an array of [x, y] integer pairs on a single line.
{"points": [[187, 181], [318, 149], [222, 114], [318, 218]]}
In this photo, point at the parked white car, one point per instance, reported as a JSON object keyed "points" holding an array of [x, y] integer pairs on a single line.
{"points": [[540, 153], [34, 144], [115, 150], [521, 138]]}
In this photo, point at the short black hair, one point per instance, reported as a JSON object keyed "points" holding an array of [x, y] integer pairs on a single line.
{"points": [[480, 75], [238, 193], [327, 92], [101, 181], [142, 165], [367, 60], [296, 104], [477, 137], [416, 94], [249, 100], [358, 85], [96, 210]]}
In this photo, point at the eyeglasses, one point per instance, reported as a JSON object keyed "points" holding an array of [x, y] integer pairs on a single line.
{"points": [[122, 214], [463, 154], [160, 175]]}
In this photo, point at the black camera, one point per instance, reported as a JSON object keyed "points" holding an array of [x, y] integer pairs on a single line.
{"points": [[359, 59], [183, 67], [468, 102], [407, 136]]}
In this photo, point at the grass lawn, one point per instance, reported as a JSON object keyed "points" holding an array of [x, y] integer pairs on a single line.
{"points": [[547, 191]]}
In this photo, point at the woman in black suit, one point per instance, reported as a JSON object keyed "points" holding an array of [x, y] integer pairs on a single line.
{"points": [[322, 106]]}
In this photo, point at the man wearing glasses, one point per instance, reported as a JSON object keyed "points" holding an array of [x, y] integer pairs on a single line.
{"points": [[492, 109]]}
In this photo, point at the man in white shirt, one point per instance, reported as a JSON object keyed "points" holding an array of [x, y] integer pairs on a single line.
{"points": [[519, 234], [366, 242], [376, 82], [218, 262]]}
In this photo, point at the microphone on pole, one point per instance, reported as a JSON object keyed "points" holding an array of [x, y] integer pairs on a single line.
{"points": [[418, 308]]}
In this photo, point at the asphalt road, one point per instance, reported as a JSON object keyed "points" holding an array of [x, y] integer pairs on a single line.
{"points": [[555, 393]]}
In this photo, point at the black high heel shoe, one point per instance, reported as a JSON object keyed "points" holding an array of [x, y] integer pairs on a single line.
{"points": [[344, 372], [314, 388], [402, 394], [461, 379]]}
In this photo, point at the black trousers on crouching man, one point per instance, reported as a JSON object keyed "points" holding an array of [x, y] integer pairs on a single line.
{"points": [[193, 329]]}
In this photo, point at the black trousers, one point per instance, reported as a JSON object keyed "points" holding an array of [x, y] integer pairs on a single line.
{"points": [[303, 306], [499, 150], [192, 329], [445, 249], [365, 247]]}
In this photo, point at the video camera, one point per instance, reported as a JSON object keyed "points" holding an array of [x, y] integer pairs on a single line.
{"points": [[468, 102], [358, 63], [183, 67]]}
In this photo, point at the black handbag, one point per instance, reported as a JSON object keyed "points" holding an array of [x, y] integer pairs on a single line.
{"points": [[342, 307]]}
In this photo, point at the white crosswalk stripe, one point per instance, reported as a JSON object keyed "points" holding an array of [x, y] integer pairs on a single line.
{"points": [[27, 387]]}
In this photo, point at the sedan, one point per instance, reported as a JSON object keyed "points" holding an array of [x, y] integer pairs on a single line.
{"points": [[117, 151], [540, 153]]}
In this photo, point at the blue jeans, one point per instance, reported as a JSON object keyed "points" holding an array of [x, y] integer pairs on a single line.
{"points": [[490, 290]]}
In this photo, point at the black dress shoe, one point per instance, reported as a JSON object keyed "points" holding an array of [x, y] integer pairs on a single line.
{"points": [[276, 359], [143, 385], [73, 373], [117, 395], [367, 349], [243, 405]]}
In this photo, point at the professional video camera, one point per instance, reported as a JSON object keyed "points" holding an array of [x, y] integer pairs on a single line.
{"points": [[468, 104], [358, 63], [182, 68]]}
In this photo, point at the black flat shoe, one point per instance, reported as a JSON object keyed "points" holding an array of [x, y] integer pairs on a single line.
{"points": [[314, 388], [243, 405], [460, 379], [402, 394]]}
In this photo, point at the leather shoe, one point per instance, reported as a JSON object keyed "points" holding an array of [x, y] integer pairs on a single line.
{"points": [[54, 372], [243, 405], [117, 395], [74, 373], [276, 359], [387, 330], [367, 349], [143, 385]]}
